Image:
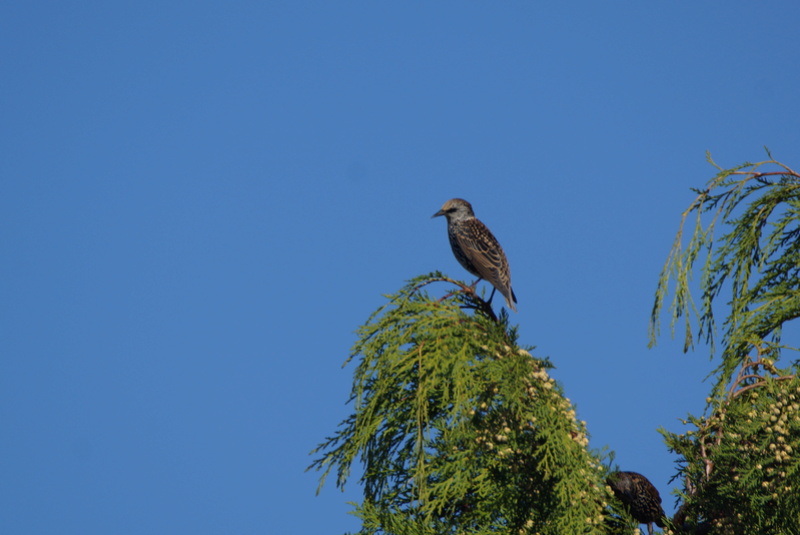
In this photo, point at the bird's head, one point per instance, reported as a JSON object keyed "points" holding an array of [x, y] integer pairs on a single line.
{"points": [[456, 210]]}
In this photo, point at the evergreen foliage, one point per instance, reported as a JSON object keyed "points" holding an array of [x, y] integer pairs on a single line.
{"points": [[459, 429], [739, 462]]}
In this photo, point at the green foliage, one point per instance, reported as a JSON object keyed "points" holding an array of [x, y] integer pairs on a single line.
{"points": [[755, 267], [739, 462], [459, 429]]}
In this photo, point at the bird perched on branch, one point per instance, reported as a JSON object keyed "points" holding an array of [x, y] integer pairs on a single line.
{"points": [[639, 496], [476, 248]]}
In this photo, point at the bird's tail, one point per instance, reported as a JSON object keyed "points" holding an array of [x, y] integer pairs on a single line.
{"points": [[510, 302]]}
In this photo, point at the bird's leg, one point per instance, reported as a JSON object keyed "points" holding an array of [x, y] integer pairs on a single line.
{"points": [[650, 528], [489, 302], [475, 284]]}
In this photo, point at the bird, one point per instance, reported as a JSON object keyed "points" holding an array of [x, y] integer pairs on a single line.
{"points": [[639, 496], [476, 248]]}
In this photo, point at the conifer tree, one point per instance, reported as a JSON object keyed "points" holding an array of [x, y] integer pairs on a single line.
{"points": [[739, 463], [459, 429]]}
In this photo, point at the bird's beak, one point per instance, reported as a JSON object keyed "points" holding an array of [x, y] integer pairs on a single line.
{"points": [[437, 214]]}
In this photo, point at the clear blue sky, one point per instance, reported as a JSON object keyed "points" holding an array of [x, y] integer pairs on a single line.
{"points": [[200, 202]]}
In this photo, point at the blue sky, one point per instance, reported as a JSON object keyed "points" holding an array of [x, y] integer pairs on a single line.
{"points": [[200, 202]]}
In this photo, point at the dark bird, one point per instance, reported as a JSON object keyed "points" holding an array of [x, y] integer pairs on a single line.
{"points": [[476, 248], [639, 496]]}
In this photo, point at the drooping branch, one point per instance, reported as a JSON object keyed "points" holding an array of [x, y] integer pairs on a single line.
{"points": [[755, 265]]}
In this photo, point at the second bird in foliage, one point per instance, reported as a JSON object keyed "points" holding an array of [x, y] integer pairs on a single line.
{"points": [[476, 248], [639, 496]]}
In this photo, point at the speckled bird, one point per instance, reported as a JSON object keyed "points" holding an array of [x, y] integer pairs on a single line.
{"points": [[639, 496], [476, 248]]}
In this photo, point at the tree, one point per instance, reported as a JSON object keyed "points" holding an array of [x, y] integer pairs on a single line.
{"points": [[739, 461], [460, 429]]}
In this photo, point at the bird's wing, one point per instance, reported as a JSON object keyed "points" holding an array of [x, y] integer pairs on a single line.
{"points": [[484, 251]]}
